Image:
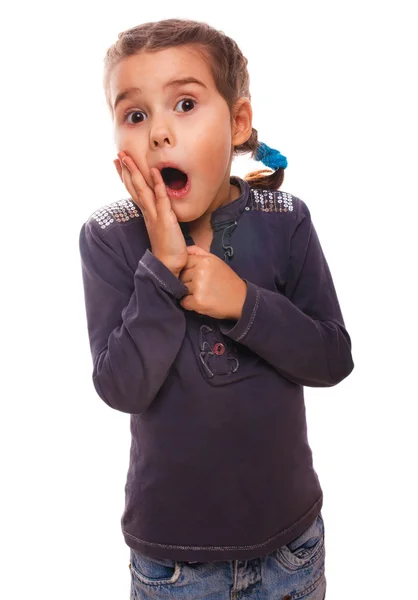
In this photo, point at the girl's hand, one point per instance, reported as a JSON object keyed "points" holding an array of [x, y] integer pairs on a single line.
{"points": [[167, 240], [214, 288]]}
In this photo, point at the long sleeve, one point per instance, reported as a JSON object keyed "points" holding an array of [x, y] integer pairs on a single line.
{"points": [[301, 333], [135, 326]]}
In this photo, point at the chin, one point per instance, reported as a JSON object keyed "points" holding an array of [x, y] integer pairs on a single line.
{"points": [[185, 216]]}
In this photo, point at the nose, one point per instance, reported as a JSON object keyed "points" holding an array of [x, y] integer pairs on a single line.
{"points": [[160, 134]]}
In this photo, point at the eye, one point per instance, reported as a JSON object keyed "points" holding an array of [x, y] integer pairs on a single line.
{"points": [[188, 100], [135, 113]]}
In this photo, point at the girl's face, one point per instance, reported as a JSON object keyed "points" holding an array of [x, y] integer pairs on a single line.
{"points": [[188, 124]]}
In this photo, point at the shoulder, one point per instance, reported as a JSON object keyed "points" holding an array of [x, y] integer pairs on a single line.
{"points": [[288, 206], [114, 231], [115, 213]]}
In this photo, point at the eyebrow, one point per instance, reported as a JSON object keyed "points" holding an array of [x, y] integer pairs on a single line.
{"points": [[132, 91]]}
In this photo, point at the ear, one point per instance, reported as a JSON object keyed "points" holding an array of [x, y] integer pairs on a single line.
{"points": [[242, 121]]}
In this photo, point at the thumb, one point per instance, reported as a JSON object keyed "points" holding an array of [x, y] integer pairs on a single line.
{"points": [[197, 250]]}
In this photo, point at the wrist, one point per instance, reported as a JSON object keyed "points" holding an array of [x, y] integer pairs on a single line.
{"points": [[175, 271]]}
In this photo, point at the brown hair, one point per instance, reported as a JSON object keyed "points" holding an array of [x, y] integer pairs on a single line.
{"points": [[224, 58]]}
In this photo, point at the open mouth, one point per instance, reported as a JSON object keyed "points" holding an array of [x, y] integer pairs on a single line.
{"points": [[174, 178]]}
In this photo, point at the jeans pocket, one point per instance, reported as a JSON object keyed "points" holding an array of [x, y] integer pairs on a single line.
{"points": [[153, 571], [306, 549]]}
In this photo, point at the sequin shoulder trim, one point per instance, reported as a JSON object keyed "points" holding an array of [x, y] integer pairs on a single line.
{"points": [[121, 211], [270, 201]]}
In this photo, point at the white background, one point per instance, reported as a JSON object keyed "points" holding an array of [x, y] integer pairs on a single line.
{"points": [[333, 88]]}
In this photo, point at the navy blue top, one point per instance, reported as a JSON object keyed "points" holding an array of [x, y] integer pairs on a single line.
{"points": [[220, 465]]}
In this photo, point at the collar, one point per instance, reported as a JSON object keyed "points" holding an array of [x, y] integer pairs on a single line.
{"points": [[228, 212]]}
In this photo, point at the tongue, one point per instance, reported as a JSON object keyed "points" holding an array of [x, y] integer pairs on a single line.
{"points": [[176, 184]]}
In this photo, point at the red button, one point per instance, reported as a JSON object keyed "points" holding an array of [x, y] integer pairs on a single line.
{"points": [[218, 348]]}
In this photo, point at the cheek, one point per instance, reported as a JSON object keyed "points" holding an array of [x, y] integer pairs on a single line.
{"points": [[213, 144], [117, 136], [132, 145], [128, 140], [219, 156]]}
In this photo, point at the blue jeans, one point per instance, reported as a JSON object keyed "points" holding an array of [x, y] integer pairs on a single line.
{"points": [[295, 571]]}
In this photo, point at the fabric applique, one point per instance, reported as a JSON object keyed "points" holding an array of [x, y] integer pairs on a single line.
{"points": [[120, 210], [270, 201], [218, 358]]}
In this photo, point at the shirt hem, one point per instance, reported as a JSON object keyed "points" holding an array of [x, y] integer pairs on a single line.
{"points": [[223, 553]]}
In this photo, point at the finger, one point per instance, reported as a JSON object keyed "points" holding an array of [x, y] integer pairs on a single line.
{"points": [[128, 183], [186, 278], [189, 265], [188, 293], [118, 166], [163, 202], [138, 187], [152, 199]]}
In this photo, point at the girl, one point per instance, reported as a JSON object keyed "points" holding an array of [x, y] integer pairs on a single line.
{"points": [[209, 306]]}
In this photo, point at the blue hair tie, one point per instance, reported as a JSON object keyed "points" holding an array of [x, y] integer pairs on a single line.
{"points": [[270, 157]]}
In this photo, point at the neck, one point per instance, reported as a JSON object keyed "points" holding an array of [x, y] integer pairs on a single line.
{"points": [[204, 222]]}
